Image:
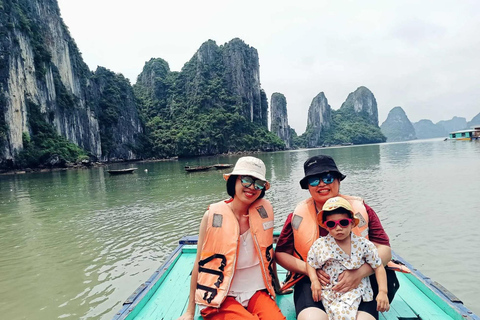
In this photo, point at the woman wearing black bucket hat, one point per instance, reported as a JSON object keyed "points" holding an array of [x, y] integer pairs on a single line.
{"points": [[322, 179]]}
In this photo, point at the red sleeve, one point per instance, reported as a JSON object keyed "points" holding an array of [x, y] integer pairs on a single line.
{"points": [[376, 233], [285, 240]]}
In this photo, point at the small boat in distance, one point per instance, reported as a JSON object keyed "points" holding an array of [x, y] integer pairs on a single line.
{"points": [[223, 165], [197, 168], [121, 171], [468, 134]]}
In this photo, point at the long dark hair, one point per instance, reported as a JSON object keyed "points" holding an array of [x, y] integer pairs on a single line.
{"points": [[232, 180]]}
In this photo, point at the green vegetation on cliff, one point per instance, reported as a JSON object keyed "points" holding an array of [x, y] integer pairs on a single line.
{"points": [[16, 15], [195, 111], [346, 127], [113, 95], [45, 144]]}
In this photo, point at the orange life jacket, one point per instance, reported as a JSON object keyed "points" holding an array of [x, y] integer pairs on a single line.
{"points": [[305, 230], [220, 250]]}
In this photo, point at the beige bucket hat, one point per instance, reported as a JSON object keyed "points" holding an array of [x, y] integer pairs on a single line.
{"points": [[249, 166], [333, 204]]}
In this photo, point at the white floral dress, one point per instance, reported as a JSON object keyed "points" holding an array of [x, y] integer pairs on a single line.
{"points": [[326, 254]]}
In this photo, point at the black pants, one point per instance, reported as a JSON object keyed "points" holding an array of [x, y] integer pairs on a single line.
{"points": [[302, 295]]}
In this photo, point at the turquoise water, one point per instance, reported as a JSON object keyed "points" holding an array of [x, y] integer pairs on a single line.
{"points": [[75, 244]]}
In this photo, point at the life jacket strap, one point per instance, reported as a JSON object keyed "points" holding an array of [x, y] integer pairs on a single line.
{"points": [[215, 256], [213, 292]]}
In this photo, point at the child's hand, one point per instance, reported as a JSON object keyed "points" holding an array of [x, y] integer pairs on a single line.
{"points": [[382, 302], [316, 290]]}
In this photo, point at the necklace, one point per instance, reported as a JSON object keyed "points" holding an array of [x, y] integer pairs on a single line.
{"points": [[244, 238]]}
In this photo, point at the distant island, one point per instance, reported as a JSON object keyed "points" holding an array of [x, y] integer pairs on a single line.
{"points": [[397, 126]]}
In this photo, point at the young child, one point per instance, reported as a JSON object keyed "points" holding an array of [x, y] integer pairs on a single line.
{"points": [[342, 250]]}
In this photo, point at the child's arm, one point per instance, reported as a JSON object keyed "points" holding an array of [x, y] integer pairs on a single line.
{"points": [[382, 298], [316, 286]]}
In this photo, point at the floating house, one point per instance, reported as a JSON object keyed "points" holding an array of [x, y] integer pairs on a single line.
{"points": [[468, 134]]}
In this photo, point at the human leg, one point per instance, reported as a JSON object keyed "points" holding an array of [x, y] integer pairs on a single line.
{"points": [[264, 307], [305, 307], [392, 284], [230, 309], [366, 309], [370, 308], [361, 315], [312, 313]]}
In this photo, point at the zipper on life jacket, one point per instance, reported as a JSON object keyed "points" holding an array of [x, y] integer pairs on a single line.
{"points": [[259, 251]]}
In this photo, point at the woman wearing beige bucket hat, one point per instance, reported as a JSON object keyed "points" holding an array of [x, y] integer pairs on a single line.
{"points": [[322, 180], [233, 273]]}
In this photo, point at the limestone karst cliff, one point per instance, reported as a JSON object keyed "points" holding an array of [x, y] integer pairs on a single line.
{"points": [[454, 124], [356, 121], [121, 130], [213, 105], [41, 66], [319, 120], [362, 102], [397, 127], [279, 118], [426, 129], [475, 121]]}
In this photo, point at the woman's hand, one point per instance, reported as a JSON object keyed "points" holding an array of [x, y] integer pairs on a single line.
{"points": [[323, 277], [382, 302], [348, 280]]}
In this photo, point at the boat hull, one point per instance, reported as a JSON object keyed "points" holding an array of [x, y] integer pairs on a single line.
{"points": [[165, 294], [121, 171]]}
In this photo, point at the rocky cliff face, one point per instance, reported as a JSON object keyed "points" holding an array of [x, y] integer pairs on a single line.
{"points": [[319, 118], [426, 129], [355, 122], [242, 74], [397, 127], [236, 63], [475, 121], [362, 102], [213, 105], [279, 118], [41, 64], [120, 126]]}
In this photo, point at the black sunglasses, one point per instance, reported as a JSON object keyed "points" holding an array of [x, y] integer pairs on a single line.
{"points": [[327, 178], [330, 224], [247, 181]]}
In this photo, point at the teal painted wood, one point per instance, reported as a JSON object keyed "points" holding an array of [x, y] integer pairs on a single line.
{"points": [[165, 295]]}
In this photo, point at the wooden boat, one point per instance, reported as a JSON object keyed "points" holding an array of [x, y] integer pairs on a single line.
{"points": [[165, 294], [223, 165], [121, 171], [197, 168]]}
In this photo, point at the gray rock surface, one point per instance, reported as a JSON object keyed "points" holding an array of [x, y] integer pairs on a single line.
{"points": [[319, 118], [41, 64], [279, 118], [362, 102], [397, 126]]}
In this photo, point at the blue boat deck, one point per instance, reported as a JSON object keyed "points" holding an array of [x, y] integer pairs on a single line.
{"points": [[165, 295]]}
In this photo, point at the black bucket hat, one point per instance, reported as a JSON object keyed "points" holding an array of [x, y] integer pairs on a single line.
{"points": [[317, 165]]}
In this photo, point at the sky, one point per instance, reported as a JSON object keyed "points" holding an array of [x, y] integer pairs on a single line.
{"points": [[423, 56]]}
